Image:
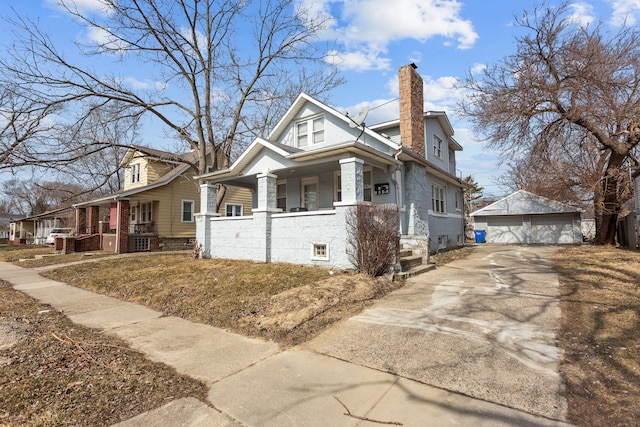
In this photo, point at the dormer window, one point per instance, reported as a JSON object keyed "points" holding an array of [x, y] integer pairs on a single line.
{"points": [[310, 131], [135, 173], [437, 146]]}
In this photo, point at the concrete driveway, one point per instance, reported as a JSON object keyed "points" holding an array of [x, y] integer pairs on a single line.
{"points": [[483, 326]]}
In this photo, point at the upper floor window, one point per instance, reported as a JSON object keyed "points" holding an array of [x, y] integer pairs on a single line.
{"points": [[135, 173], [437, 199], [437, 146], [310, 131], [188, 208]]}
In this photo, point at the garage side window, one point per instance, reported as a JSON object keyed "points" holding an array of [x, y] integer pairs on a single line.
{"points": [[437, 199]]}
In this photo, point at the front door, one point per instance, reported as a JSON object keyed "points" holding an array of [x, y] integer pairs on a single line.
{"points": [[310, 194]]}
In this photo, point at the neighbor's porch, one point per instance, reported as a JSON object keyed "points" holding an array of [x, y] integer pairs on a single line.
{"points": [[117, 225]]}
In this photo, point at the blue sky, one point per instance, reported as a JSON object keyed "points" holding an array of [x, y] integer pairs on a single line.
{"points": [[445, 38]]}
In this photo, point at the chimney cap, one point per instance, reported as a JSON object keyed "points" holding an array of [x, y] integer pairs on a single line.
{"points": [[413, 65]]}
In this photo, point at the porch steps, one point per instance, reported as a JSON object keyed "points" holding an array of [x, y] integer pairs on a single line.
{"points": [[411, 265]]}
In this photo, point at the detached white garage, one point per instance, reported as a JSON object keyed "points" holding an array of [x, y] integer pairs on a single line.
{"points": [[526, 218]]}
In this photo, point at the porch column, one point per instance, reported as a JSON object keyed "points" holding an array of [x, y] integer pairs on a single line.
{"points": [[351, 181], [267, 202], [203, 219], [93, 219], [123, 226], [81, 220]]}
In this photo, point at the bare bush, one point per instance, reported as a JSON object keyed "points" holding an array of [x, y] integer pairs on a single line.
{"points": [[374, 237]]}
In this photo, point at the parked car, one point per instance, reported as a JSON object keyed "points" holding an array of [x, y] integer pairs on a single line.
{"points": [[58, 232]]}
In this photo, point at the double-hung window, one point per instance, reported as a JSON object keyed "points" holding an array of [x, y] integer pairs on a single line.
{"points": [[135, 173], [188, 208], [233, 210], [145, 212], [437, 146], [310, 131], [437, 199]]}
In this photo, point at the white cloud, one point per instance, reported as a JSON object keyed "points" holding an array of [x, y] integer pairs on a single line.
{"points": [[82, 6], [478, 69], [101, 37], [583, 14], [625, 12], [365, 28]]}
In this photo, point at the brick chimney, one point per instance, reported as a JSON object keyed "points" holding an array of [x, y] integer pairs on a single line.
{"points": [[411, 109]]}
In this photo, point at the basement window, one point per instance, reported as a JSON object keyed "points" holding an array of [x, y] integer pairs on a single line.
{"points": [[320, 252], [141, 244]]}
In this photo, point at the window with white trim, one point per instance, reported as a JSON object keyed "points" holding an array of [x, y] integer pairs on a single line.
{"points": [[233, 209], [133, 211], [145, 212], [320, 251], [135, 173], [310, 131], [188, 209], [367, 178], [458, 200], [438, 199], [281, 195], [437, 146]]}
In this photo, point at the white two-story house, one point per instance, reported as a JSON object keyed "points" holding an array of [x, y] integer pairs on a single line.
{"points": [[316, 164]]}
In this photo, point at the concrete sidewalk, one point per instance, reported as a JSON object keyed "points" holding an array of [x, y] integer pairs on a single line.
{"points": [[253, 383]]}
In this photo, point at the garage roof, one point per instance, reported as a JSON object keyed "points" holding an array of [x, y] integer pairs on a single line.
{"points": [[524, 203]]}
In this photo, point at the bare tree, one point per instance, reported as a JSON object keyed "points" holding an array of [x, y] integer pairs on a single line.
{"points": [[28, 197], [568, 88], [222, 70]]}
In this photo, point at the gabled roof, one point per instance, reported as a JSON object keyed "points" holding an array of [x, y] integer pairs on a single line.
{"points": [[442, 118], [160, 155], [299, 103], [122, 194], [525, 203]]}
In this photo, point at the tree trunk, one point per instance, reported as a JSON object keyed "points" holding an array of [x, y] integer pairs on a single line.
{"points": [[606, 232]]}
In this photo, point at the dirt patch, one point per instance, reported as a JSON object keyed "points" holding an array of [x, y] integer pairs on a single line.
{"points": [[600, 303], [53, 372], [296, 315]]}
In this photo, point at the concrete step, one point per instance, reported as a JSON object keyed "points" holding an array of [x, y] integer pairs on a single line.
{"points": [[423, 268], [405, 252], [409, 262]]}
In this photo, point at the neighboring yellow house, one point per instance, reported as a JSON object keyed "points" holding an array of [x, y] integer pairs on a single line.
{"points": [[156, 208]]}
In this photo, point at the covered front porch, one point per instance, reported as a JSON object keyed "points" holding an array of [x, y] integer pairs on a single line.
{"points": [[299, 213], [120, 225]]}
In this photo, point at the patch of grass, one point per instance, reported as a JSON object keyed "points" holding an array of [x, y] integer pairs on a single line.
{"points": [[54, 372], [210, 291], [600, 334], [13, 253]]}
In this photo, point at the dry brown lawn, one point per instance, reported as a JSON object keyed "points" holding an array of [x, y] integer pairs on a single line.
{"points": [[599, 331], [600, 334]]}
